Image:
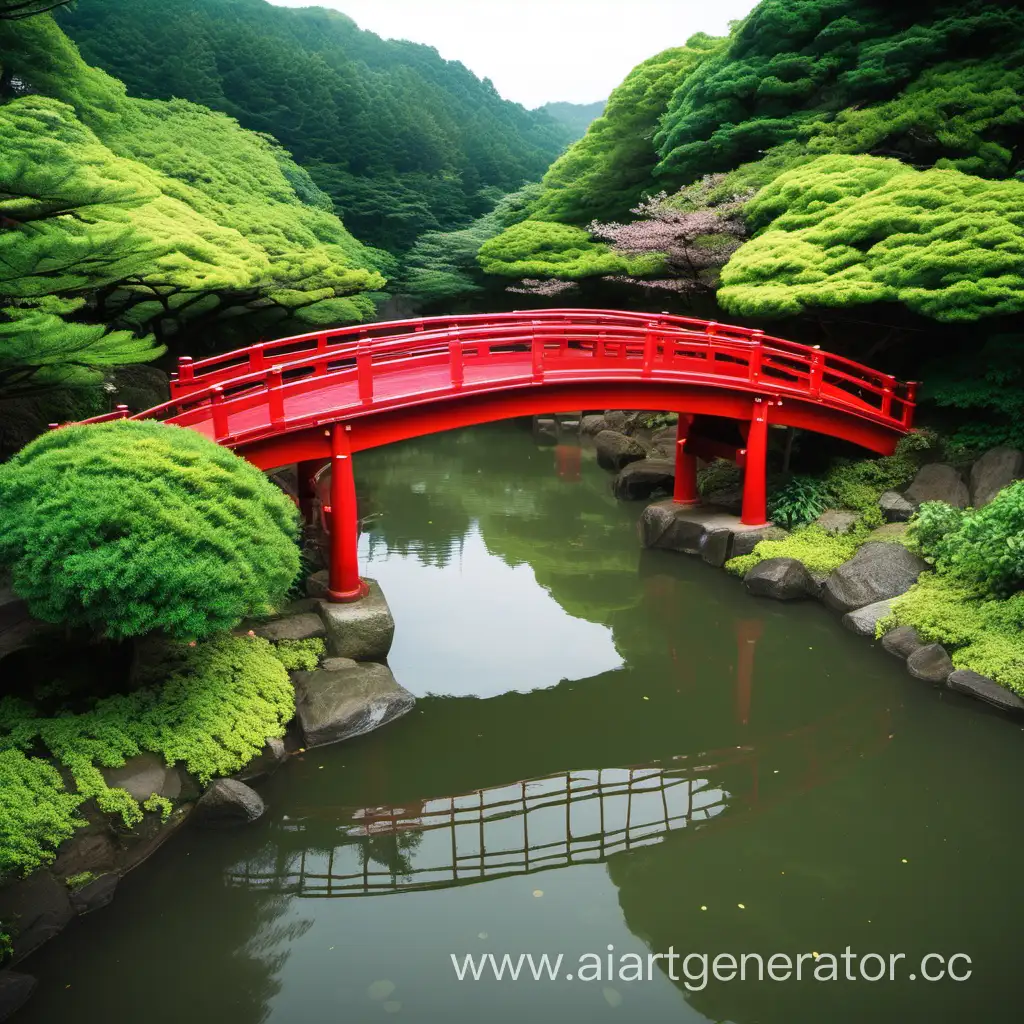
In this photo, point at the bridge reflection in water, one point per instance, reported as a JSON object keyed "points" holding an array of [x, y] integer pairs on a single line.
{"points": [[572, 817]]}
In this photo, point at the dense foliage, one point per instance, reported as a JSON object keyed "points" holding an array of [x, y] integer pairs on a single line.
{"points": [[852, 230], [128, 527], [403, 140], [983, 547], [125, 221], [577, 117]]}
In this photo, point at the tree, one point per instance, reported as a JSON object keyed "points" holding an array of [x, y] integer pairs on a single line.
{"points": [[14, 10], [845, 231], [538, 249], [695, 239], [128, 527]]}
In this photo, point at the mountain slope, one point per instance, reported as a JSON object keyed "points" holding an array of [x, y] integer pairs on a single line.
{"points": [[577, 117], [401, 139]]}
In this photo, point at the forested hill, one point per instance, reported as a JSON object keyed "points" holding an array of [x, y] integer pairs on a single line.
{"points": [[403, 140], [577, 117]]}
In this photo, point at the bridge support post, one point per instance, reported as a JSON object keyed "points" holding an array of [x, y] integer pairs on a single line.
{"points": [[755, 481], [344, 581], [685, 491]]}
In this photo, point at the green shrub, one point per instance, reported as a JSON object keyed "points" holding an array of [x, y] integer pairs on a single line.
{"points": [[128, 527], [6, 946], [934, 521], [819, 551], [160, 804], [300, 655], [36, 812], [222, 700], [800, 500], [76, 882], [984, 635], [982, 546]]}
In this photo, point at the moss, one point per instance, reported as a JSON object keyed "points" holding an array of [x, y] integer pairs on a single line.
{"points": [[984, 635], [819, 551], [76, 882], [159, 804], [300, 655], [213, 712]]}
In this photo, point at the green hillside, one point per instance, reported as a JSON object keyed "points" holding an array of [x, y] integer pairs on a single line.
{"points": [[402, 140], [577, 117]]}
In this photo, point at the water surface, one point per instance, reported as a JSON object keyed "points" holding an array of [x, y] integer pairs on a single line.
{"points": [[612, 747]]}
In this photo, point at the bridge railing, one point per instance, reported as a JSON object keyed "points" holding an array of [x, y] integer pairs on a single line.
{"points": [[196, 376], [596, 342]]}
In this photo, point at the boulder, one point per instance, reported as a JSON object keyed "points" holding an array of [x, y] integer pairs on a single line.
{"points": [[862, 621], [642, 478], [616, 419], [337, 705], [545, 430], [593, 424], [996, 469], [144, 775], [716, 547], [783, 579], [15, 991], [729, 499], [615, 450], [337, 664], [39, 907], [86, 850], [877, 572], [362, 629], [744, 541], [902, 641], [893, 533], [939, 481], [97, 893], [265, 763], [895, 508], [837, 520], [930, 663], [305, 626], [974, 685], [228, 803]]}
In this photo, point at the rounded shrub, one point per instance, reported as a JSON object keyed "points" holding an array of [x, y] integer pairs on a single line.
{"points": [[133, 526]]}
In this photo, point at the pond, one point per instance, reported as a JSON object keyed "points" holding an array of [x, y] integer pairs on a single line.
{"points": [[614, 753]]}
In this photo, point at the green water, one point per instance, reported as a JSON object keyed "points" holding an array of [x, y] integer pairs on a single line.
{"points": [[613, 741]]}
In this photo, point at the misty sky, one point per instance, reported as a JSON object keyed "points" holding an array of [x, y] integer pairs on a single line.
{"points": [[536, 51]]}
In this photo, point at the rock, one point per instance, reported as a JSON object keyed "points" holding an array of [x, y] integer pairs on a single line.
{"points": [[545, 429], [228, 803], [902, 641], [930, 663], [783, 579], [85, 851], [743, 543], [97, 893], [837, 521], [593, 424], [730, 499], [877, 572], [938, 481], [615, 450], [306, 626], [616, 419], [862, 621], [642, 478], [974, 685], [265, 763], [15, 991], [144, 775], [148, 836], [996, 469], [895, 508], [337, 664], [338, 705], [716, 547], [39, 907], [362, 629]]}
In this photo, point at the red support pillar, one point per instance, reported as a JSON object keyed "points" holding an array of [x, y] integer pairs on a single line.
{"points": [[345, 584], [685, 492], [755, 480]]}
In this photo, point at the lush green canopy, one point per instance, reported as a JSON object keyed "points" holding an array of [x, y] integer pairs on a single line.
{"points": [[403, 140], [850, 230], [539, 249], [127, 527]]}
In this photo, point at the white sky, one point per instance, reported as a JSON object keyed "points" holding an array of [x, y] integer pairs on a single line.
{"points": [[536, 51]]}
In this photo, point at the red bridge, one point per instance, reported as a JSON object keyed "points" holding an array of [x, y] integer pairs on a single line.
{"points": [[318, 398]]}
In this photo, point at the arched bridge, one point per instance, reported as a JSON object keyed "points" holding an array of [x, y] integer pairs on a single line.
{"points": [[323, 396]]}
